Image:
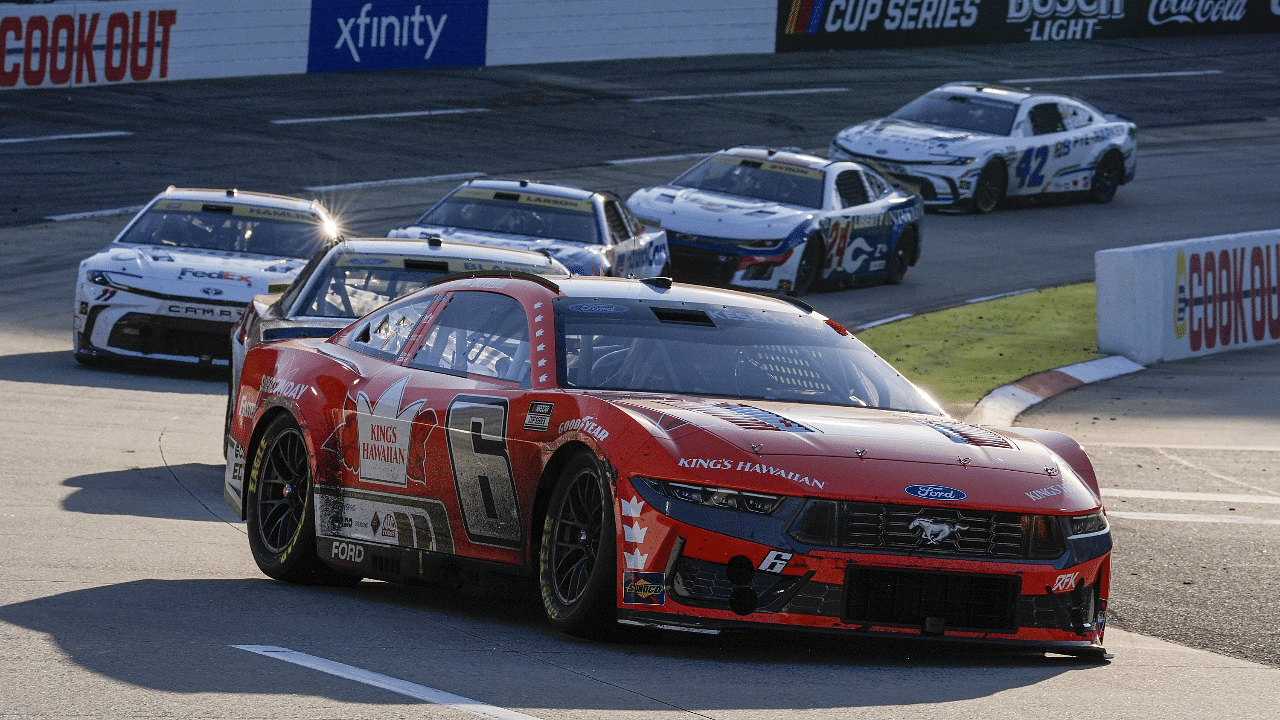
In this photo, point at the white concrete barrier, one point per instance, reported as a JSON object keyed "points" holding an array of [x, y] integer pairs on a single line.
{"points": [[1173, 300]]}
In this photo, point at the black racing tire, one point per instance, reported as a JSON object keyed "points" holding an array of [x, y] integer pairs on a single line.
{"points": [[1107, 178], [280, 508], [990, 188], [810, 267], [903, 253], [577, 564]]}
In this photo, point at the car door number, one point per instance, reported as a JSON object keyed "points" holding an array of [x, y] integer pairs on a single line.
{"points": [[482, 470], [1030, 168]]}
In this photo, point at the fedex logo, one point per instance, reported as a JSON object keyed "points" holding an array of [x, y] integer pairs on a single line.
{"points": [[376, 34]]}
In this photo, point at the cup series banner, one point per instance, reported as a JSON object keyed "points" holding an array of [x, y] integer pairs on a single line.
{"points": [[1174, 300], [855, 24]]}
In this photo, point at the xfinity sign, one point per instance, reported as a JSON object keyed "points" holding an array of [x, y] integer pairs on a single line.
{"points": [[377, 34]]}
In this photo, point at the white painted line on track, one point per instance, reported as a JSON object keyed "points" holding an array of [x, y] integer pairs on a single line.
{"points": [[386, 682], [75, 136], [398, 181], [95, 214], [885, 321], [1183, 517], [379, 116], [1122, 76], [750, 93], [657, 158], [1194, 496], [1001, 295]]}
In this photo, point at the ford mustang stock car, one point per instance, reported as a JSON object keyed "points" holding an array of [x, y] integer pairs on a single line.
{"points": [[591, 232], [660, 455], [969, 145], [174, 281], [778, 221]]}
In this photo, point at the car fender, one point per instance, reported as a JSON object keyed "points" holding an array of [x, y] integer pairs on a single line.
{"points": [[1064, 447]]}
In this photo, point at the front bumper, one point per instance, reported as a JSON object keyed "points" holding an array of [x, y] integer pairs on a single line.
{"points": [[117, 323], [678, 574], [721, 266]]}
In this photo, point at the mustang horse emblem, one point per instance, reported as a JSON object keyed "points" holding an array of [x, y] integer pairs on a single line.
{"points": [[934, 532]]}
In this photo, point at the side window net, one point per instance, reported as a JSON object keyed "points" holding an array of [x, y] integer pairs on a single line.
{"points": [[478, 333]]}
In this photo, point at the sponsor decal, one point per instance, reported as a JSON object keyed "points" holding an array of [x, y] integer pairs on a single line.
{"points": [[373, 440], [389, 528], [346, 552], [935, 492], [1045, 492], [1189, 12], [1180, 293], [634, 533], [276, 386], [1228, 297], [211, 291], [587, 425], [747, 466], [634, 560], [538, 418], [598, 308], [212, 275], [775, 562], [631, 508], [1066, 583], [935, 531], [69, 49], [359, 35], [221, 314], [644, 588]]}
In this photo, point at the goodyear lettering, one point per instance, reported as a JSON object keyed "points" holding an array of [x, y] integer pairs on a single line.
{"points": [[275, 386], [1230, 296], [66, 49], [587, 425]]}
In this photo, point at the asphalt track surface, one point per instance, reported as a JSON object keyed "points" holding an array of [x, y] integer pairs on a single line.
{"points": [[128, 592]]}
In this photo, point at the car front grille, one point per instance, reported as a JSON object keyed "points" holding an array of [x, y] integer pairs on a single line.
{"points": [[701, 266], [952, 532], [160, 335], [932, 601]]}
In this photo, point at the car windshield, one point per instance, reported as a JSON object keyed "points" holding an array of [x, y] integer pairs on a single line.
{"points": [[517, 213], [250, 229], [723, 351], [351, 285], [760, 179], [962, 112]]}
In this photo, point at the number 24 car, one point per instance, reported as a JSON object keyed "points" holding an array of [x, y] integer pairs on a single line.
{"points": [[660, 455]]}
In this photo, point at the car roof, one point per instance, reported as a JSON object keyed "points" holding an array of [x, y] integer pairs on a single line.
{"points": [[584, 286], [530, 186], [240, 197], [789, 156], [1003, 92], [442, 248]]}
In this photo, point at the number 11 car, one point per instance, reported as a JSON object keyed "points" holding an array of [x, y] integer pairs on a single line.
{"points": [[660, 455]]}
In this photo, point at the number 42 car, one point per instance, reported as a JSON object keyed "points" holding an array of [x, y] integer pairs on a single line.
{"points": [[660, 455]]}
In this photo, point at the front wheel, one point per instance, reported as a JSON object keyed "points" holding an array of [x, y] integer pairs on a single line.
{"points": [[279, 514], [809, 268], [990, 189], [1107, 178], [577, 563]]}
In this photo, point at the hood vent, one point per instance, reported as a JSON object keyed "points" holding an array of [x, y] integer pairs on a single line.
{"points": [[971, 434], [745, 416]]}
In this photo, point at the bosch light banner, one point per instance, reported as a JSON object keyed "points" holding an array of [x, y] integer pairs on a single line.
{"points": [[858, 24], [377, 34], [1174, 300]]}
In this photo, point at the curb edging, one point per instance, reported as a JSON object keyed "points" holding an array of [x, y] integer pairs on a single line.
{"points": [[1002, 406]]}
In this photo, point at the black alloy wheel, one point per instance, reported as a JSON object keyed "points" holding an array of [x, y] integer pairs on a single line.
{"points": [[990, 189], [577, 563], [1107, 178], [900, 260], [809, 268]]}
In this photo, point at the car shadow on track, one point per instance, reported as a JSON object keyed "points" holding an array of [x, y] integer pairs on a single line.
{"points": [[178, 636], [191, 491], [60, 368]]}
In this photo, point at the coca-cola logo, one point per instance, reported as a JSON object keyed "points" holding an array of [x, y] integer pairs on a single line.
{"points": [[1198, 11]]}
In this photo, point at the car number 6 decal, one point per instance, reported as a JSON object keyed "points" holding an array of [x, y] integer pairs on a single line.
{"points": [[482, 470]]}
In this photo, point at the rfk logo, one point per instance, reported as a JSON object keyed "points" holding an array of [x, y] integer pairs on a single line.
{"points": [[1066, 583]]}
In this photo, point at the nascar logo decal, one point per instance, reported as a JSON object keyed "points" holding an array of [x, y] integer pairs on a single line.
{"points": [[935, 492]]}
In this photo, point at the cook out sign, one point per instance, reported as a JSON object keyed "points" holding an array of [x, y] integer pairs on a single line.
{"points": [[85, 48]]}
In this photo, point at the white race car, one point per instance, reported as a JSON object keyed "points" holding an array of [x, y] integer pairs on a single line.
{"points": [[180, 274], [592, 233], [969, 145], [777, 221]]}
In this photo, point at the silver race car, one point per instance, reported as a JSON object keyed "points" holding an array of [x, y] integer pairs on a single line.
{"points": [[179, 275], [777, 221], [969, 145], [592, 233]]}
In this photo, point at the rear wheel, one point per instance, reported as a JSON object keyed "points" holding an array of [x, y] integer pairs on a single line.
{"points": [[1107, 178], [810, 267], [990, 189], [280, 512], [577, 562], [901, 258]]}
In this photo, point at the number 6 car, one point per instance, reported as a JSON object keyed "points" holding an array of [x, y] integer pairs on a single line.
{"points": [[970, 145], [660, 455]]}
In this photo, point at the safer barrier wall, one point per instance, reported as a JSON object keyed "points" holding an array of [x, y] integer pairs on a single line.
{"points": [[1168, 301]]}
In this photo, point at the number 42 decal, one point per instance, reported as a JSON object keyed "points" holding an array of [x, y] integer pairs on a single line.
{"points": [[482, 470], [1029, 169]]}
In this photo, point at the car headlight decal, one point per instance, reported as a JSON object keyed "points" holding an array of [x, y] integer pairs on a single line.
{"points": [[741, 500]]}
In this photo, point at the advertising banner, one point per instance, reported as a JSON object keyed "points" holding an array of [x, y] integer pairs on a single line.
{"points": [[1168, 301], [101, 43], [359, 35], [855, 24]]}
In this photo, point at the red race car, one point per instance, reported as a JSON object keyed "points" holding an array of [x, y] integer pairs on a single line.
{"points": [[661, 455]]}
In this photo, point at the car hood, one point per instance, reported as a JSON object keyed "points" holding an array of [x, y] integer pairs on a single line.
{"points": [[191, 272], [698, 212], [580, 259], [904, 140], [863, 454]]}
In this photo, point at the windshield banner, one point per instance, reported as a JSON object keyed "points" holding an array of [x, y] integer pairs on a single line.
{"points": [[861, 24], [359, 35]]}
